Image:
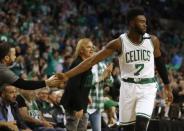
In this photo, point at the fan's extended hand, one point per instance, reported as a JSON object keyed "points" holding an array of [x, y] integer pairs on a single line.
{"points": [[54, 81]]}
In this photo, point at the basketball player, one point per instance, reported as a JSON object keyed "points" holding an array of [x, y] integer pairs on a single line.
{"points": [[138, 52]]}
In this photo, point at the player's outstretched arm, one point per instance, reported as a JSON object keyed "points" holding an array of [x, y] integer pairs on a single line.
{"points": [[108, 50]]}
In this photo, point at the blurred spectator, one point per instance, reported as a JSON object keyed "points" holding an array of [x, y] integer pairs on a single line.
{"points": [[9, 108], [42, 100], [31, 114], [114, 89], [101, 74], [177, 61], [57, 111], [109, 116], [67, 62]]}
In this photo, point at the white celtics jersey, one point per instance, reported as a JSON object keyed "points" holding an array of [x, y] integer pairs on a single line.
{"points": [[137, 60]]}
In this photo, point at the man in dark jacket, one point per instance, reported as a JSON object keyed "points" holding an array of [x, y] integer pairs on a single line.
{"points": [[9, 108]]}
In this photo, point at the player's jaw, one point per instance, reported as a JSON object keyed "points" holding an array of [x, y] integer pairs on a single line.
{"points": [[144, 29], [141, 30]]}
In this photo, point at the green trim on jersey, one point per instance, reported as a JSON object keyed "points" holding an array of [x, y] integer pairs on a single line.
{"points": [[140, 80]]}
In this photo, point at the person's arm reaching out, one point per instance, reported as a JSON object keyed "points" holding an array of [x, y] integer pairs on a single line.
{"points": [[9, 77], [109, 49], [32, 85]]}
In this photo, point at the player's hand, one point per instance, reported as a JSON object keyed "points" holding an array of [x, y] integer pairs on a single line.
{"points": [[62, 77], [168, 94], [78, 114], [53, 81]]}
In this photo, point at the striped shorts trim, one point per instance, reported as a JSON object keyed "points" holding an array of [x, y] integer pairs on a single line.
{"points": [[143, 114], [126, 123]]}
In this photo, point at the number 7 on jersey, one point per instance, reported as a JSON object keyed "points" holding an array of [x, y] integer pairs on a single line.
{"points": [[139, 67]]}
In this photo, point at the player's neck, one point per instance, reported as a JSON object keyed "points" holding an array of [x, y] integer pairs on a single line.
{"points": [[134, 37]]}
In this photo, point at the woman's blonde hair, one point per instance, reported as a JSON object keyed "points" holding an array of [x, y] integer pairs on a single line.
{"points": [[80, 45]]}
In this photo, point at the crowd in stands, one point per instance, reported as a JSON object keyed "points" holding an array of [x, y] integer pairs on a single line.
{"points": [[45, 34]]}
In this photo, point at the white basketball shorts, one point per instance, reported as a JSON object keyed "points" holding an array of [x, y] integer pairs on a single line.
{"points": [[136, 99]]}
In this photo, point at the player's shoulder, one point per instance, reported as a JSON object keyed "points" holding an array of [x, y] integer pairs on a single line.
{"points": [[154, 38], [155, 41], [114, 45], [115, 41]]}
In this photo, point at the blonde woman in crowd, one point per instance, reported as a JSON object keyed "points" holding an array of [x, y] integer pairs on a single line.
{"points": [[75, 97]]}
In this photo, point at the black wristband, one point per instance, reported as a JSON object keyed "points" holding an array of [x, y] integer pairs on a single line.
{"points": [[160, 66]]}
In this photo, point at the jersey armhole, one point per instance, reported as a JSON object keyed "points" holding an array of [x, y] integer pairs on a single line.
{"points": [[151, 40], [122, 46]]}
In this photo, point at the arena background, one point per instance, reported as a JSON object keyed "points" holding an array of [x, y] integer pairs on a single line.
{"points": [[45, 34]]}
